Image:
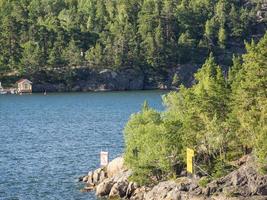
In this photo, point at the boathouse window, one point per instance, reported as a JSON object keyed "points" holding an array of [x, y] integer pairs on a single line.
{"points": [[26, 86]]}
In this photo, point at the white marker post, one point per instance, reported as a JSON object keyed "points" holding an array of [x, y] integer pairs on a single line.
{"points": [[103, 158]]}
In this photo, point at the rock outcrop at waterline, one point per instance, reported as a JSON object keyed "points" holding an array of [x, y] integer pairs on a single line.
{"points": [[90, 80], [86, 80], [113, 182]]}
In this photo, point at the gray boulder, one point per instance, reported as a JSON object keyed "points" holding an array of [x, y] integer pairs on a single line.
{"points": [[130, 189], [85, 178], [119, 189], [104, 188], [245, 181], [162, 191], [115, 166], [139, 193]]}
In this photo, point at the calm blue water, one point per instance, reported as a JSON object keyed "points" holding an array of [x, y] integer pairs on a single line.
{"points": [[47, 142]]}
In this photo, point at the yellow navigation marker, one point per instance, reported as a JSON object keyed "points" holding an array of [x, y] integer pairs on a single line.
{"points": [[189, 157]]}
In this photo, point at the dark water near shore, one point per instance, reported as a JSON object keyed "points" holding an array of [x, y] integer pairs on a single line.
{"points": [[47, 142]]}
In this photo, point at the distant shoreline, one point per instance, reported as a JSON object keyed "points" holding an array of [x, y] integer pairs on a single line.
{"points": [[96, 91]]}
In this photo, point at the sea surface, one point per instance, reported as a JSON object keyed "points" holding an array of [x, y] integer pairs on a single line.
{"points": [[47, 142]]}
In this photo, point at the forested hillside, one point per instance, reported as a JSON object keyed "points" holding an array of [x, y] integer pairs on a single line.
{"points": [[47, 40]]}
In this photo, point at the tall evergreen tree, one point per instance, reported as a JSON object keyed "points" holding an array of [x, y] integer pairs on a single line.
{"points": [[250, 98]]}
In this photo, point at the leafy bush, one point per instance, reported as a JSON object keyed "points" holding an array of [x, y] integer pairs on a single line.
{"points": [[220, 169], [203, 182]]}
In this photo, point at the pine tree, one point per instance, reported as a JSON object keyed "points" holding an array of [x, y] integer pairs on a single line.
{"points": [[11, 48], [211, 98], [95, 56], [152, 33], [249, 106], [72, 55], [31, 58], [222, 38], [100, 15], [210, 31], [233, 73], [56, 56]]}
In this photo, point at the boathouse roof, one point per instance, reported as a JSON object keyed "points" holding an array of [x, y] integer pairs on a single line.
{"points": [[24, 80]]}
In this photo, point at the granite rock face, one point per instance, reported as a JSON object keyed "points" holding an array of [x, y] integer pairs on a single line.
{"points": [[245, 181], [89, 80], [242, 184], [115, 167]]}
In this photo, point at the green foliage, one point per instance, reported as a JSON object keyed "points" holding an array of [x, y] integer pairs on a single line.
{"points": [[220, 169], [73, 55], [144, 129], [194, 118], [95, 55], [146, 34], [222, 37], [31, 60], [175, 80], [210, 30], [203, 182], [234, 71], [145, 106], [216, 117], [249, 99], [56, 55], [152, 145]]}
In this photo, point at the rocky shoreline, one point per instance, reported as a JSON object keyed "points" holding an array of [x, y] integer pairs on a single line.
{"points": [[86, 80], [113, 182]]}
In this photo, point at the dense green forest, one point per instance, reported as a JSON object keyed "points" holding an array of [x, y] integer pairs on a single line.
{"points": [[221, 119], [148, 35]]}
